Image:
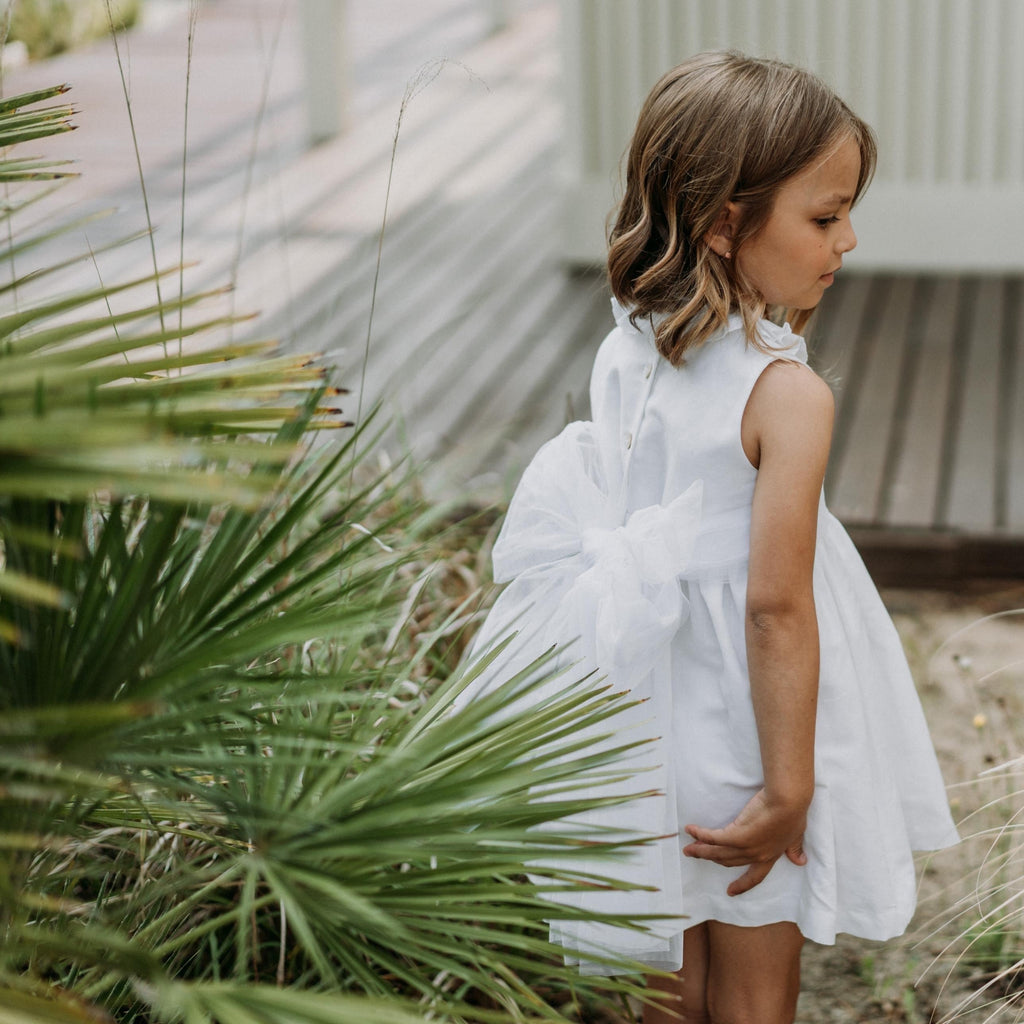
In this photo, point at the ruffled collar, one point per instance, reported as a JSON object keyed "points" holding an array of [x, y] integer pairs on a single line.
{"points": [[776, 337], [649, 326]]}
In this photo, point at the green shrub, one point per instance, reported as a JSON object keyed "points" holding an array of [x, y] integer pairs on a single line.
{"points": [[232, 787]]}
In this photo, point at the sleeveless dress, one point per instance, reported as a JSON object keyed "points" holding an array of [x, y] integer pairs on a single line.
{"points": [[632, 532]]}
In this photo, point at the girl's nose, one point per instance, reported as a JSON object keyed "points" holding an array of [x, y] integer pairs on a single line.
{"points": [[848, 239]]}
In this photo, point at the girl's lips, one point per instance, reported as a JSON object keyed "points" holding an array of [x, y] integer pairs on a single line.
{"points": [[828, 278]]}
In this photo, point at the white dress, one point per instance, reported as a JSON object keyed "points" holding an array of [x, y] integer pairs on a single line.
{"points": [[633, 532]]}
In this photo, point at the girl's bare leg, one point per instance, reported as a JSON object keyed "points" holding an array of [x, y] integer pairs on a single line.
{"points": [[753, 973], [687, 990]]}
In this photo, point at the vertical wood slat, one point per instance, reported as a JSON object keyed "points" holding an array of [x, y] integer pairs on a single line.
{"points": [[896, 39], [1008, 357], [720, 18], [579, 132], [752, 24], [857, 490], [868, 27], [1012, 119], [636, 45], [987, 98], [783, 29], [941, 81], [1014, 487], [812, 53], [835, 335], [836, 331], [914, 486], [958, 92], [925, 114], [841, 57], [692, 30], [930, 73], [605, 86], [664, 35], [327, 66], [972, 462]]}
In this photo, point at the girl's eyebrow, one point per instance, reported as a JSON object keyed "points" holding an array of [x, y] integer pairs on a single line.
{"points": [[836, 198]]}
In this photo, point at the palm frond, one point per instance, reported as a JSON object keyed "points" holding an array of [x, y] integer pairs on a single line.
{"points": [[218, 800]]}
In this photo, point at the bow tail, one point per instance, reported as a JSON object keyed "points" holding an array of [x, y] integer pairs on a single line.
{"points": [[647, 894]]}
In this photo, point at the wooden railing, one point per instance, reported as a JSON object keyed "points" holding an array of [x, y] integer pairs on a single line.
{"points": [[327, 63]]}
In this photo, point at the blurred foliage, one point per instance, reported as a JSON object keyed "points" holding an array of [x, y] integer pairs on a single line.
{"points": [[47, 27], [233, 788]]}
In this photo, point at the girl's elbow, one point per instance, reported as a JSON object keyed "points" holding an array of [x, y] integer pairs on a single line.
{"points": [[768, 614]]}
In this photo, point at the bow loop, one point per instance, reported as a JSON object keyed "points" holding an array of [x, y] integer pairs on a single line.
{"points": [[662, 536], [562, 494], [613, 585]]}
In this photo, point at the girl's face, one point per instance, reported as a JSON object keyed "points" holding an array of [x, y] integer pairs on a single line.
{"points": [[792, 259]]}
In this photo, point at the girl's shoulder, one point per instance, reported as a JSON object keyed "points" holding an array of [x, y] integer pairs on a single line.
{"points": [[730, 362], [790, 387]]}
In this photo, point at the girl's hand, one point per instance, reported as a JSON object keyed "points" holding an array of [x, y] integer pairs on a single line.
{"points": [[761, 833]]}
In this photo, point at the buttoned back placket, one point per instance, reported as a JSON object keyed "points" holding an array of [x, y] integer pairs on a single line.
{"points": [[650, 373]]}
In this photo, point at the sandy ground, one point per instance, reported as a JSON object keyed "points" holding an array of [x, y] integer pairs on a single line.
{"points": [[967, 653]]}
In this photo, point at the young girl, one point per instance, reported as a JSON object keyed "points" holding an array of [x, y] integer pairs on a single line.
{"points": [[701, 566]]}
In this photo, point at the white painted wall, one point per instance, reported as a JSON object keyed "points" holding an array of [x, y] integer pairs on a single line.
{"points": [[941, 81]]}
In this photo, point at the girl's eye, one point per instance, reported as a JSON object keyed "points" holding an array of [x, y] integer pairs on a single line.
{"points": [[824, 222]]}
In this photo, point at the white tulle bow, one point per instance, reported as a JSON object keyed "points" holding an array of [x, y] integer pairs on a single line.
{"points": [[612, 585], [578, 573]]}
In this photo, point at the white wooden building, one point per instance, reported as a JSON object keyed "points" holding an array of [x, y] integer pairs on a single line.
{"points": [[941, 82]]}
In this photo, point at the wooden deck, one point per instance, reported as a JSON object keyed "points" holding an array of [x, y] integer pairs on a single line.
{"points": [[927, 466], [481, 342]]}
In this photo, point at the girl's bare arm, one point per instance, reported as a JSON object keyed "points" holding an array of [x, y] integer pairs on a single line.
{"points": [[787, 430]]}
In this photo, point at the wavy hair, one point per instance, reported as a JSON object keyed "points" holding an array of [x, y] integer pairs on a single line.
{"points": [[719, 127]]}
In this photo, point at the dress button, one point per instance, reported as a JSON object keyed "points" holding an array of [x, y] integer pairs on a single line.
{"points": [[647, 370], [629, 440]]}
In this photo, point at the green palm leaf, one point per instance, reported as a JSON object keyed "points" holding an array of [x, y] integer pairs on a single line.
{"points": [[310, 811], [93, 399], [218, 800]]}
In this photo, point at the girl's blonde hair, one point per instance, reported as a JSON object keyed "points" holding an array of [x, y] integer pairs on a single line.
{"points": [[719, 127]]}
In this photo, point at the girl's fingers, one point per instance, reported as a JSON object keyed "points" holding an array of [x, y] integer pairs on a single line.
{"points": [[728, 856], [796, 853], [717, 836], [712, 842], [705, 835], [750, 878]]}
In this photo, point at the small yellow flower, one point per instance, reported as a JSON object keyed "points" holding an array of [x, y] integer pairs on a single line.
{"points": [[980, 720]]}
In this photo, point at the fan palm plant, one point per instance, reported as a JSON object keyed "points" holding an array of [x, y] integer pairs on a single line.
{"points": [[221, 798]]}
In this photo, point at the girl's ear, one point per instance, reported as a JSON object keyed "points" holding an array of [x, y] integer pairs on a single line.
{"points": [[720, 237]]}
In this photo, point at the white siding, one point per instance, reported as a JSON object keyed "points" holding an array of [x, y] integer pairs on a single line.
{"points": [[941, 82]]}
